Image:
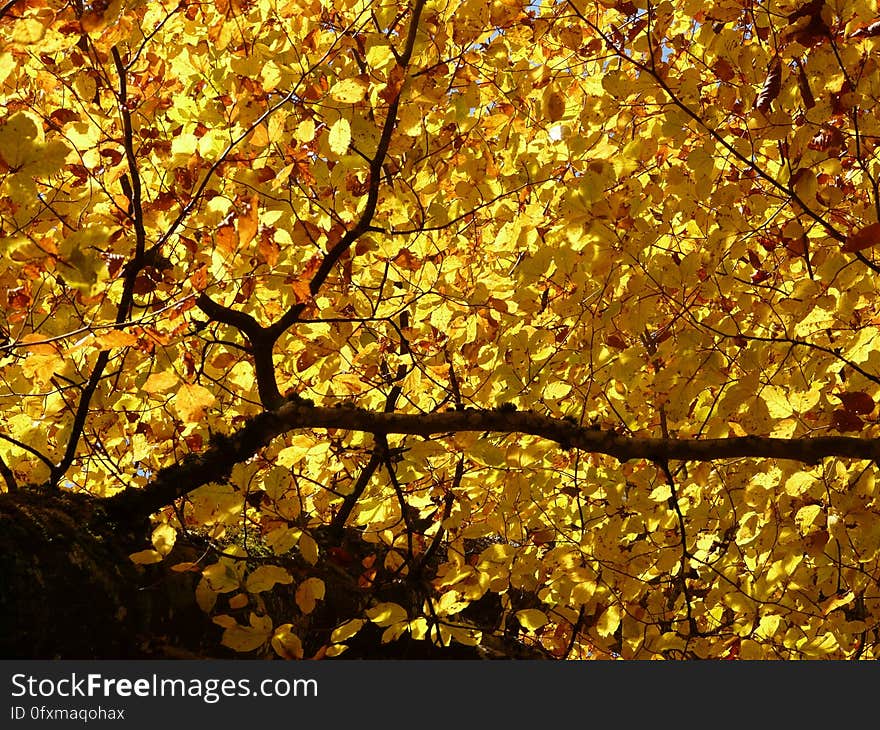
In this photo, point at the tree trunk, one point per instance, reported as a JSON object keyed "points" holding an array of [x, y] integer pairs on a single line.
{"points": [[70, 591]]}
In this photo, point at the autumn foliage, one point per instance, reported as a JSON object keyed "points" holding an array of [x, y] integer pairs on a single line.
{"points": [[481, 323]]}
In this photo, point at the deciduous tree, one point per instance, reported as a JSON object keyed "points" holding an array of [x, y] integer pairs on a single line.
{"points": [[539, 329]]}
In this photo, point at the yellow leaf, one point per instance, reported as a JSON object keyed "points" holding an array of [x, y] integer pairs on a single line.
{"points": [[7, 65], [378, 56], [115, 338], [184, 145], [20, 139], [386, 614], [250, 222], [349, 91], [27, 31], [185, 567], [270, 75], [777, 402], [224, 620], [608, 621], [247, 638], [205, 596], [286, 644], [305, 131], [768, 626], [308, 548], [283, 539], [41, 368], [836, 602], [531, 618], [163, 538], [191, 401], [346, 630], [394, 632], [807, 516], [340, 136], [222, 578], [160, 382], [308, 593], [265, 577], [239, 600], [145, 557]]}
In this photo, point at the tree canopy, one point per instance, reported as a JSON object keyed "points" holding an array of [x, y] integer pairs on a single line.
{"points": [[473, 322]]}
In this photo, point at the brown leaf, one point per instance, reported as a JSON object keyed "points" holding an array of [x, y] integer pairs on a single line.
{"points": [[405, 260], [804, 87], [772, 85], [827, 138], [723, 70], [863, 238], [810, 27], [301, 290], [796, 246], [858, 402], [555, 106], [267, 248], [842, 420], [63, 116]]}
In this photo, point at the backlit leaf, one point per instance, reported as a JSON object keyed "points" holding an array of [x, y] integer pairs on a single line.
{"points": [[531, 618], [340, 136], [349, 91], [265, 577], [308, 593], [386, 614], [346, 630], [247, 638], [191, 400]]}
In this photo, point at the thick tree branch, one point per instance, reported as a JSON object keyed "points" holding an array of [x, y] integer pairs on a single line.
{"points": [[263, 339], [261, 346], [6, 7], [217, 462]]}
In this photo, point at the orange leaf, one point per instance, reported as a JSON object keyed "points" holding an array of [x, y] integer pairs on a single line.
{"points": [[405, 260], [862, 239], [249, 222]]}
